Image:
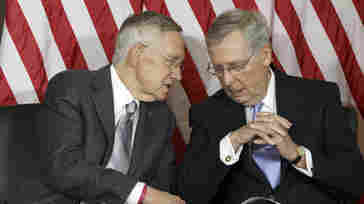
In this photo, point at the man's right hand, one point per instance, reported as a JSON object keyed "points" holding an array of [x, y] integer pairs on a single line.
{"points": [[154, 196], [248, 133], [268, 128]]}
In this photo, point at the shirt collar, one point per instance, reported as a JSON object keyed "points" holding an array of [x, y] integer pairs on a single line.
{"points": [[121, 94], [269, 100]]}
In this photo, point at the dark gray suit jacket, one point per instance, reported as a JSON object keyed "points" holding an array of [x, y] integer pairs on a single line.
{"points": [[79, 129], [314, 109]]}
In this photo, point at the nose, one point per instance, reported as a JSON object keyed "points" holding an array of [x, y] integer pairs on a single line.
{"points": [[228, 77]]}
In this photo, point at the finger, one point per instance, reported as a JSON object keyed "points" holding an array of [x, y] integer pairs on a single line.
{"points": [[278, 128], [276, 138], [268, 134], [257, 129], [267, 117], [262, 126], [255, 133], [267, 139], [263, 136], [259, 141], [283, 121], [265, 113], [270, 117], [180, 201]]}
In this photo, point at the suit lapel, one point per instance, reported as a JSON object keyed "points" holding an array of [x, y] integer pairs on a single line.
{"points": [[149, 139], [104, 105], [139, 141], [236, 118], [285, 108]]}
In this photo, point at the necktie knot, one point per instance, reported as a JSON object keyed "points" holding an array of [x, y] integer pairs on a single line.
{"points": [[256, 109], [266, 156], [131, 109]]}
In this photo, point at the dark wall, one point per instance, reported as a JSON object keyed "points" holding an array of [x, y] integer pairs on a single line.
{"points": [[2, 15]]}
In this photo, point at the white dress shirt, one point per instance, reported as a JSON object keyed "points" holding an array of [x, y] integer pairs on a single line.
{"points": [[121, 97], [269, 105]]}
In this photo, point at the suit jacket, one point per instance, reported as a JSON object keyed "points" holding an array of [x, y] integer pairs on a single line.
{"points": [[78, 125], [314, 109]]}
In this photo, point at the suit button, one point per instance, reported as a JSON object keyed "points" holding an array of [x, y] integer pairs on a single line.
{"points": [[228, 158]]}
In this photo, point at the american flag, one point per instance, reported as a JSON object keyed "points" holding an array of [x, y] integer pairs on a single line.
{"points": [[320, 39]]}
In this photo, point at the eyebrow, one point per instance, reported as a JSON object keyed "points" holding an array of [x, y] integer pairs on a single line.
{"points": [[236, 63], [174, 58]]}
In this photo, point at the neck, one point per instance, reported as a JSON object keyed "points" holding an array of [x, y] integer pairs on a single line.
{"points": [[268, 78], [125, 75], [128, 77], [260, 98]]}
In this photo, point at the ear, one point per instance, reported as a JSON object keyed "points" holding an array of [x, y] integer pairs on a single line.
{"points": [[267, 55], [135, 54]]}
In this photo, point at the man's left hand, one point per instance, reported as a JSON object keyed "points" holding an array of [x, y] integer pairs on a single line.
{"points": [[277, 127]]}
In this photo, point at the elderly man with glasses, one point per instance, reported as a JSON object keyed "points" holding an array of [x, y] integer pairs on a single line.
{"points": [[109, 132], [265, 134]]}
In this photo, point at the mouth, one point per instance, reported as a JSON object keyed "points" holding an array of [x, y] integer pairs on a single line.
{"points": [[167, 86], [238, 93]]}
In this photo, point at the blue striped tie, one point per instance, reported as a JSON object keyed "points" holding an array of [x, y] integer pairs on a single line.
{"points": [[267, 157]]}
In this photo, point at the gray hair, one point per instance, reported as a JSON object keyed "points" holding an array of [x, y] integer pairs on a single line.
{"points": [[144, 28], [251, 24]]}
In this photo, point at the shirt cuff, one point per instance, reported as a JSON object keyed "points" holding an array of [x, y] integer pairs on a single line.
{"points": [[309, 163], [135, 194], [227, 153]]}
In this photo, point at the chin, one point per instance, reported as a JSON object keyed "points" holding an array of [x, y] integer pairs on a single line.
{"points": [[162, 97], [240, 99]]}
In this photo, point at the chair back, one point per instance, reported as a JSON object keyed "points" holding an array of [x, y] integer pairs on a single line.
{"points": [[20, 157]]}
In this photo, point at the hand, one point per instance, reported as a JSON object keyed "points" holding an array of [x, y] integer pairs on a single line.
{"points": [[252, 131], [277, 128], [154, 196]]}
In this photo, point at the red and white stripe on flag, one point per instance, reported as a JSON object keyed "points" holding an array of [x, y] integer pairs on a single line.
{"points": [[311, 39]]}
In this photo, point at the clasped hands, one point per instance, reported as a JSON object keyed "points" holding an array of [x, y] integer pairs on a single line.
{"points": [[267, 128]]}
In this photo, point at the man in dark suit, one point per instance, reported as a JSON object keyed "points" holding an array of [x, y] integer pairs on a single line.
{"points": [[100, 150], [265, 133]]}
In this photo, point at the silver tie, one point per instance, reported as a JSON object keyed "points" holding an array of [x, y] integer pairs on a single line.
{"points": [[128, 128], [127, 131], [120, 159]]}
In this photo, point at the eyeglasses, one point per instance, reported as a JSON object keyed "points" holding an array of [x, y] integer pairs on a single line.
{"points": [[171, 62], [219, 70]]}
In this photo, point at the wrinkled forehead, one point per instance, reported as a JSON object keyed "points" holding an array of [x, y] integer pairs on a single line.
{"points": [[232, 48]]}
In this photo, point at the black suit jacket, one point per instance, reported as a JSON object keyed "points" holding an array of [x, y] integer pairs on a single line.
{"points": [[78, 125], [314, 109]]}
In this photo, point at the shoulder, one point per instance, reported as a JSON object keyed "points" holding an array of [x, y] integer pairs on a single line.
{"points": [[210, 101], [318, 85], [69, 83], [307, 89], [70, 77], [213, 105]]}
